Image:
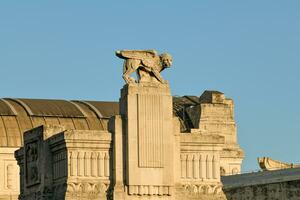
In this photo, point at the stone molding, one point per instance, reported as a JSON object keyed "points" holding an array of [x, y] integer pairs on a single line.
{"points": [[203, 188], [151, 190], [261, 178]]}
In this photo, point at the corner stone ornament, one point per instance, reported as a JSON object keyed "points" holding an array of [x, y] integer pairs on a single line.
{"points": [[147, 64]]}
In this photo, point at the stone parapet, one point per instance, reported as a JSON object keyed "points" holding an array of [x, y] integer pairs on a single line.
{"points": [[82, 161], [200, 164], [278, 184]]}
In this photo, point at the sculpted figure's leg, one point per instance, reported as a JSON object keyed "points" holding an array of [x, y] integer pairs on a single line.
{"points": [[125, 71], [144, 76], [158, 76], [126, 77], [129, 68]]}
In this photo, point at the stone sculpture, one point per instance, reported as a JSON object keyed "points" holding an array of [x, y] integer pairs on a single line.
{"points": [[147, 63], [268, 164]]}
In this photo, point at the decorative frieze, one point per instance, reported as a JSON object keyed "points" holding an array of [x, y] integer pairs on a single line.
{"points": [[199, 166], [150, 190], [86, 189], [89, 164], [203, 188]]}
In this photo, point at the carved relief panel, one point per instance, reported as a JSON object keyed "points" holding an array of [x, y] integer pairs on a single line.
{"points": [[32, 174], [32, 156]]}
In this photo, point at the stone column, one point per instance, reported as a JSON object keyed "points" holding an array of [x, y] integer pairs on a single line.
{"points": [[149, 139]]}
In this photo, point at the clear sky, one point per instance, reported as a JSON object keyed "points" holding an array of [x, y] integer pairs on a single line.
{"points": [[247, 49]]}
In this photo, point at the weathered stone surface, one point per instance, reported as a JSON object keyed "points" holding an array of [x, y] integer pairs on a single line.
{"points": [[267, 185], [96, 117], [88, 150], [90, 122], [61, 164], [142, 154], [9, 174], [214, 113], [149, 143]]}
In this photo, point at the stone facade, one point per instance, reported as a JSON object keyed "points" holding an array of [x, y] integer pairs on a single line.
{"points": [[148, 146], [142, 155], [144, 150], [20, 115], [267, 185], [95, 117], [207, 117], [69, 164]]}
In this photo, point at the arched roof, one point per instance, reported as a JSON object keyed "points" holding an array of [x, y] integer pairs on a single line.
{"points": [[19, 115]]}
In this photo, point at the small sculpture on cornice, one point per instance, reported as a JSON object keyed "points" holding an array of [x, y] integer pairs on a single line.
{"points": [[147, 64]]}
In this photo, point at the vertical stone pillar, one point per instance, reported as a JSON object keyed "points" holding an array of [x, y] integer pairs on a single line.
{"points": [[115, 127], [149, 139]]}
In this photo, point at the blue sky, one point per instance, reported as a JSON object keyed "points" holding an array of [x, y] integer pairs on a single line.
{"points": [[247, 49]]}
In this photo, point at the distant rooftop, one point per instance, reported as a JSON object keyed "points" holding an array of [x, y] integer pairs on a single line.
{"points": [[260, 178]]}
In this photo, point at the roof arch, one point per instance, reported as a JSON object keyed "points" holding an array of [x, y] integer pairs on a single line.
{"points": [[19, 115]]}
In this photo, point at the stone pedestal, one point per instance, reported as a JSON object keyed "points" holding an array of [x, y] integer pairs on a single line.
{"points": [[146, 109]]}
